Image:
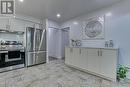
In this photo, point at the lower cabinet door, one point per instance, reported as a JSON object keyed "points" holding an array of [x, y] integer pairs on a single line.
{"points": [[84, 59], [76, 57], [68, 55], [109, 63], [93, 60], [72, 56]]}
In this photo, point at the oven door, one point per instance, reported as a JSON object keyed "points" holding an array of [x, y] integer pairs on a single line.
{"points": [[13, 56]]}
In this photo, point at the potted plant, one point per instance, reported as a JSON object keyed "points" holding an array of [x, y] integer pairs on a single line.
{"points": [[122, 72]]}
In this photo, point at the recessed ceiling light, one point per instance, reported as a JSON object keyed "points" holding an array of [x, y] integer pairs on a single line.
{"points": [[21, 0], [75, 23], [109, 14], [58, 15]]}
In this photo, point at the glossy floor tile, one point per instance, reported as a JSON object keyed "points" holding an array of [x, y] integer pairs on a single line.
{"points": [[53, 74]]}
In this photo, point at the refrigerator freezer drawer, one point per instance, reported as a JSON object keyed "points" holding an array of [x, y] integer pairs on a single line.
{"points": [[34, 58], [30, 59], [40, 57]]}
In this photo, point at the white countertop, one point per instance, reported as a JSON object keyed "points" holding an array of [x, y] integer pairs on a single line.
{"points": [[109, 48]]}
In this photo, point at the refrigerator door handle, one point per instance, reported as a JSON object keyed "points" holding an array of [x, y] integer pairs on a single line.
{"points": [[37, 52], [34, 41]]}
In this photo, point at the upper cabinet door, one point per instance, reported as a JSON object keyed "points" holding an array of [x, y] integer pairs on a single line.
{"points": [[38, 26], [29, 24], [4, 23], [33, 25], [17, 25]]}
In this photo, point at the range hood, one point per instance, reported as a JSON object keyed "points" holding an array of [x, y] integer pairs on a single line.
{"points": [[9, 31]]}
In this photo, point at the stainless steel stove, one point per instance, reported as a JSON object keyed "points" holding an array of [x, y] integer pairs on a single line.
{"points": [[12, 55], [11, 45]]}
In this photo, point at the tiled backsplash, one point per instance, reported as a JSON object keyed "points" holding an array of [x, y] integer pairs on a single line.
{"points": [[11, 37]]}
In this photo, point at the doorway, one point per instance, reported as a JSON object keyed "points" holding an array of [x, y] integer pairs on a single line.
{"points": [[57, 40]]}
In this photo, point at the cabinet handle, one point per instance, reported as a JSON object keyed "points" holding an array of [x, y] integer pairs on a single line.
{"points": [[71, 49], [80, 51], [98, 52]]}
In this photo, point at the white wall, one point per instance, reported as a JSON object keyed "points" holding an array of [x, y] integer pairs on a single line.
{"points": [[64, 40], [117, 28], [53, 39]]}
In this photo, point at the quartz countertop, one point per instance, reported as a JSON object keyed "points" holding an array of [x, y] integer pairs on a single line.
{"points": [[110, 48]]}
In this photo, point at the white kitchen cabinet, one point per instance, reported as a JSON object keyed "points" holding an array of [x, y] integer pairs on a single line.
{"points": [[98, 61], [33, 25], [72, 56], [68, 53], [93, 60], [38, 26], [108, 61], [4, 23], [76, 56], [17, 25], [29, 24], [84, 58]]}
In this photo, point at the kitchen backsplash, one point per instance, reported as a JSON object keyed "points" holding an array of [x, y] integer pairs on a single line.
{"points": [[11, 37]]}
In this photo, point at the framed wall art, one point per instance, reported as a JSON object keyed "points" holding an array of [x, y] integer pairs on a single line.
{"points": [[94, 28]]}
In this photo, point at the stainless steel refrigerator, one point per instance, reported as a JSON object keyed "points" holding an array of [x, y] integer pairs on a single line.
{"points": [[35, 46]]}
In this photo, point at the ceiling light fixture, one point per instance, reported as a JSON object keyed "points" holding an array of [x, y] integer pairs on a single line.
{"points": [[58, 15], [21, 0], [75, 23], [109, 14]]}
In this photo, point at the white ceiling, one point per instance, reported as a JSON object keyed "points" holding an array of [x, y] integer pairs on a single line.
{"points": [[67, 8]]}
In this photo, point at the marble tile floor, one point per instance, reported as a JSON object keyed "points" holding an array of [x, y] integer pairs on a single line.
{"points": [[53, 74]]}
